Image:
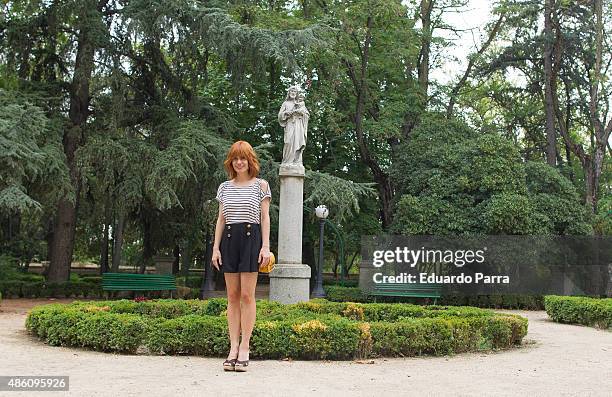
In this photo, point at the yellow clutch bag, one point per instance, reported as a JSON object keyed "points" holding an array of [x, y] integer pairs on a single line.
{"points": [[267, 268]]}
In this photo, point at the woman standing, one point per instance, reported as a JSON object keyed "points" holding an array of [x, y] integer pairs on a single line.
{"points": [[242, 243]]}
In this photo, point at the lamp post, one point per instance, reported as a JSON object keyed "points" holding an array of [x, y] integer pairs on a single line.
{"points": [[321, 212]]}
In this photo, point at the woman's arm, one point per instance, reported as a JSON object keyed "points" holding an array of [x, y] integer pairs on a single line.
{"points": [[216, 255], [264, 254]]}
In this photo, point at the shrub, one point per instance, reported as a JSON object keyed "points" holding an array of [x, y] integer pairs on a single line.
{"points": [[11, 288], [318, 329], [338, 293], [345, 283], [189, 281], [112, 332], [580, 310], [191, 334], [37, 289]]}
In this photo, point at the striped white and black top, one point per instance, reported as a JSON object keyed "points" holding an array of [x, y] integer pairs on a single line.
{"points": [[242, 203]]}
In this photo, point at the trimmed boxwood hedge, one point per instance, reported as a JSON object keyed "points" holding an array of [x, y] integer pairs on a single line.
{"points": [[318, 329], [86, 287], [43, 289], [338, 293], [580, 310]]}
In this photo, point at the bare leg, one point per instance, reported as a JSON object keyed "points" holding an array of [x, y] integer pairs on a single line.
{"points": [[248, 281], [232, 283]]}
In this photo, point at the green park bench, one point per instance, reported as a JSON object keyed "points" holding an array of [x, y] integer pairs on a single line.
{"points": [[407, 290], [138, 282]]}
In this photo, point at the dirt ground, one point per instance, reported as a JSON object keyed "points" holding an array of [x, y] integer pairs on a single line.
{"points": [[555, 359]]}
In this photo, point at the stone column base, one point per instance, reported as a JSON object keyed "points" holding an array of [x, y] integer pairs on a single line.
{"points": [[366, 272], [290, 283]]}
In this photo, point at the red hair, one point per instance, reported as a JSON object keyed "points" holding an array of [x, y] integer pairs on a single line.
{"points": [[241, 149]]}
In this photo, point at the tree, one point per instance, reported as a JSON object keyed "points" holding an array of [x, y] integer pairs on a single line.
{"points": [[571, 56], [460, 182]]}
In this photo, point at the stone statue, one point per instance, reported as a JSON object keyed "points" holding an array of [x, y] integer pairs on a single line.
{"points": [[293, 117]]}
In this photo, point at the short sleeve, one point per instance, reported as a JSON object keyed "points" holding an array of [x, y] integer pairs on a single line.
{"points": [[264, 194], [220, 193]]}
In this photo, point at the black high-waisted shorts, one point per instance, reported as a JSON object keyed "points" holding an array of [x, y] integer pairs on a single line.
{"points": [[240, 246]]}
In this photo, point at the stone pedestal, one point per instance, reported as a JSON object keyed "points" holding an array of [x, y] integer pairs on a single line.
{"points": [[290, 283], [290, 279], [163, 264], [366, 272]]}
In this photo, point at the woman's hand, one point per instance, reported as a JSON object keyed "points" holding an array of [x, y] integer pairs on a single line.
{"points": [[264, 256], [216, 258]]}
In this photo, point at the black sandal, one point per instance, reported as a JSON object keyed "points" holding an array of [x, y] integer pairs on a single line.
{"points": [[241, 366], [229, 365]]}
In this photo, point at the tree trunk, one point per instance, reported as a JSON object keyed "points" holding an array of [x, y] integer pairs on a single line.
{"points": [[350, 264], [187, 257], [66, 214], [549, 107], [147, 241], [104, 249], [176, 253], [63, 242], [49, 239], [423, 66], [568, 154], [208, 283], [10, 226], [385, 192], [118, 242], [591, 163]]}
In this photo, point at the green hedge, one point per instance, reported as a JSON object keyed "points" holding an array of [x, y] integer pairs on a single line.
{"points": [[43, 289], [85, 287], [338, 293], [580, 310], [318, 329], [189, 281], [345, 283]]}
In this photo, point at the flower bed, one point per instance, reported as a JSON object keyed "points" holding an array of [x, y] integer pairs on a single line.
{"points": [[318, 329]]}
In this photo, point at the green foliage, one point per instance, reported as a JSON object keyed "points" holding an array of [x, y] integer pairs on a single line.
{"points": [[336, 293], [555, 200], [339, 195], [189, 281], [510, 213], [602, 223], [312, 330], [17, 284], [580, 310], [455, 181], [174, 83], [21, 157]]}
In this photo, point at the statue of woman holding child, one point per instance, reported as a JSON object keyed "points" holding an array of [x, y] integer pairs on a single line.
{"points": [[293, 117]]}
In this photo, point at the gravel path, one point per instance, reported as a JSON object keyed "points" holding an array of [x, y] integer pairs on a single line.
{"points": [[555, 359]]}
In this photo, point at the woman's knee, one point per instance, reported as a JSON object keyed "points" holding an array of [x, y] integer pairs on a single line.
{"points": [[247, 297], [233, 296]]}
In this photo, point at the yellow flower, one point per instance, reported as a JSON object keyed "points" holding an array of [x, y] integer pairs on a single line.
{"points": [[92, 309], [354, 311], [309, 326]]}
